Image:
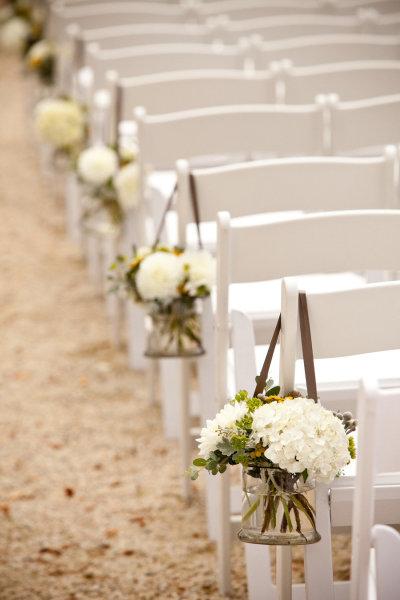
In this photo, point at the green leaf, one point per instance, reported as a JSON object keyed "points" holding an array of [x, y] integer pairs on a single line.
{"points": [[251, 510], [199, 462], [274, 391]]}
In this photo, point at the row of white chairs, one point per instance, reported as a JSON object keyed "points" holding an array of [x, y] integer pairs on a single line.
{"points": [[281, 84], [327, 243], [223, 31], [103, 14], [161, 58]]}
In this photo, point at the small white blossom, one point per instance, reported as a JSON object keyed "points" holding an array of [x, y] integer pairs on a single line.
{"points": [[97, 164], [60, 122], [224, 421], [201, 269], [126, 183], [159, 275]]}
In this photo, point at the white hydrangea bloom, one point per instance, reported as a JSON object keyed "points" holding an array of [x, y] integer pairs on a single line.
{"points": [[211, 435], [126, 183], [202, 269], [159, 275], [60, 122], [97, 164], [13, 33], [301, 434]]}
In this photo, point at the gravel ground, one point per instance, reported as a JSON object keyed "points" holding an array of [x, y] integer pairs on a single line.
{"points": [[89, 498]]}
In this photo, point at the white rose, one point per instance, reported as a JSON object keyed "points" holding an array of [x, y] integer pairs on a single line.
{"points": [[60, 122], [202, 269], [126, 183], [97, 164], [159, 275], [13, 33]]}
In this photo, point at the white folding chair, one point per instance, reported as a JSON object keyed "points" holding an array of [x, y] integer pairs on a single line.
{"points": [[295, 25], [330, 248], [320, 49], [103, 14], [186, 90], [160, 58], [349, 80], [363, 124], [259, 189], [378, 412]]}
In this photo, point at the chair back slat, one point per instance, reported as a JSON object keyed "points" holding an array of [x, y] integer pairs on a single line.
{"points": [[357, 321], [186, 90], [320, 49], [160, 58], [351, 81], [319, 237], [287, 184], [244, 130], [365, 123]]}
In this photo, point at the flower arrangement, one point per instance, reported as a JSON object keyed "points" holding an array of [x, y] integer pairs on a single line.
{"points": [[41, 59], [285, 444], [62, 123], [21, 25], [169, 281], [111, 180]]}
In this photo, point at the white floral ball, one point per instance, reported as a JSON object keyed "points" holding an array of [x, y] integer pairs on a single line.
{"points": [[212, 434], [202, 269], [97, 164], [301, 434], [126, 183], [159, 275], [59, 122], [39, 52], [14, 33]]}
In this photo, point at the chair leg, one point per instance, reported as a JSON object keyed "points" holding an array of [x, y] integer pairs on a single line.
{"points": [[318, 569], [258, 570], [152, 380], [136, 336], [224, 534], [284, 572], [185, 438], [94, 260], [171, 374], [73, 209]]}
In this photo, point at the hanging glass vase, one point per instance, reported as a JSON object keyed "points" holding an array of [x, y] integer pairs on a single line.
{"points": [[174, 330], [278, 508]]}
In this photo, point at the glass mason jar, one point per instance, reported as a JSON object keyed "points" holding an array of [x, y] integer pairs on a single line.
{"points": [[100, 217], [278, 508], [174, 330]]}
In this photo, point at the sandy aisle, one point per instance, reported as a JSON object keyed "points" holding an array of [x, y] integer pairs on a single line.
{"points": [[89, 495]]}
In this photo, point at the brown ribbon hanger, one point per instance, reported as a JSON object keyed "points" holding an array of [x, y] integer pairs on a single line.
{"points": [[167, 208], [195, 208], [306, 344]]}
